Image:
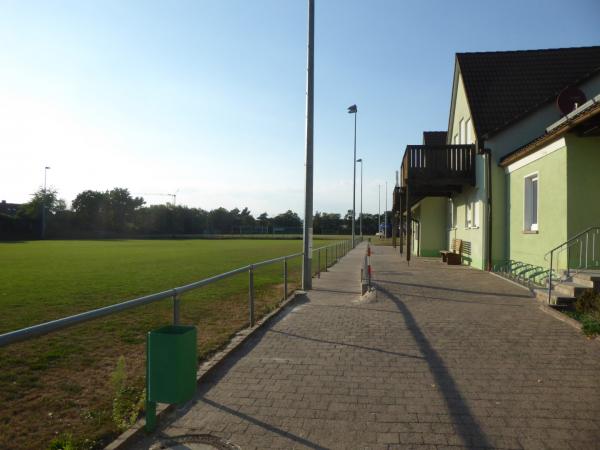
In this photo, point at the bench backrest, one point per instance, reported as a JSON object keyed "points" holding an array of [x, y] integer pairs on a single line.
{"points": [[456, 246]]}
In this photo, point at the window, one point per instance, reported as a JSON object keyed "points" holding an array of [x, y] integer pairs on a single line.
{"points": [[468, 214], [531, 203], [461, 130], [451, 214], [469, 132]]}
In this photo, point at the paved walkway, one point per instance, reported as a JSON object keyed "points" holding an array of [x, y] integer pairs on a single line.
{"points": [[446, 357]]}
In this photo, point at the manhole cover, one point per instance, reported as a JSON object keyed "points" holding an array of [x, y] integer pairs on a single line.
{"points": [[193, 442]]}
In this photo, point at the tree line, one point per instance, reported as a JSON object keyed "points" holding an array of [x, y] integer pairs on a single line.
{"points": [[116, 212]]}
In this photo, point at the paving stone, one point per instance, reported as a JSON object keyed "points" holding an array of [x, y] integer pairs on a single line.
{"points": [[445, 357]]}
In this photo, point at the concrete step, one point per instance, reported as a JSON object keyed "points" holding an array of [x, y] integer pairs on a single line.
{"points": [[556, 298], [571, 288], [588, 278]]}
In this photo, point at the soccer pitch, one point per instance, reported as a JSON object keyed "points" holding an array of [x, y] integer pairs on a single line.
{"points": [[61, 383]]}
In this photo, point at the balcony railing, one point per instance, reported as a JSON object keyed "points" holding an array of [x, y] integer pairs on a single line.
{"points": [[439, 164]]}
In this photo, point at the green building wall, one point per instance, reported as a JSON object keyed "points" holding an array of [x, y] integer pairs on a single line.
{"points": [[530, 247], [583, 182], [432, 218]]}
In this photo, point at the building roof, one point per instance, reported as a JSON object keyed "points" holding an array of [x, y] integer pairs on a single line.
{"points": [[583, 120], [502, 87], [434, 137]]}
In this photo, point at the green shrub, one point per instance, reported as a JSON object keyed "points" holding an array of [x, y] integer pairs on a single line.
{"points": [[63, 442], [67, 442], [590, 325], [588, 303], [128, 400]]}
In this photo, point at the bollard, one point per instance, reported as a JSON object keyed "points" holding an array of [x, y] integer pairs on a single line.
{"points": [[251, 294]]}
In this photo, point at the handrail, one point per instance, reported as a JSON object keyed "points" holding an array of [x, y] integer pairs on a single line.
{"points": [[26, 333], [567, 246], [571, 239]]}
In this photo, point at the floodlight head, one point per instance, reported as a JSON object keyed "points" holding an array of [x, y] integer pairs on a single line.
{"points": [[352, 109], [359, 160], [47, 167]]}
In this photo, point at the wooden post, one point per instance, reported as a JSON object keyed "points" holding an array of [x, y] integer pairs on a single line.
{"points": [[401, 225], [408, 225]]}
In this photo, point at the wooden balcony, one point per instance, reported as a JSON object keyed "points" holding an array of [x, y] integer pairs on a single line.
{"points": [[429, 171], [451, 166]]}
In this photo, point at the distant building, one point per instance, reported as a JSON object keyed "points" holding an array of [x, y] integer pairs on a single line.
{"points": [[10, 209]]}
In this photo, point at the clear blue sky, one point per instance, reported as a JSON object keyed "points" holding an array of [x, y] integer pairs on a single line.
{"points": [[208, 96]]}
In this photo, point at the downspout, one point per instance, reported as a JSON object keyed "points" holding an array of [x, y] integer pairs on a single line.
{"points": [[488, 189]]}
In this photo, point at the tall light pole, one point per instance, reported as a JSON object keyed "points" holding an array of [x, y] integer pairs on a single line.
{"points": [[353, 110], [307, 234], [379, 209], [46, 168], [361, 179], [385, 213]]}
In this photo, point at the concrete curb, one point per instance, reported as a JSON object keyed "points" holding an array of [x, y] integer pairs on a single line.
{"points": [[137, 431]]}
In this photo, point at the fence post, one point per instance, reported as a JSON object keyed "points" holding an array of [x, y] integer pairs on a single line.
{"points": [[285, 278], [175, 309], [319, 263], [326, 259], [251, 294]]}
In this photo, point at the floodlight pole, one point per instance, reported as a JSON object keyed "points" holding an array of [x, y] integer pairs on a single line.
{"points": [[379, 209], [360, 160], [308, 198], [385, 213], [354, 110]]}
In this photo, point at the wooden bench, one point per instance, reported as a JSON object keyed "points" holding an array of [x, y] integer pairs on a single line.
{"points": [[453, 256]]}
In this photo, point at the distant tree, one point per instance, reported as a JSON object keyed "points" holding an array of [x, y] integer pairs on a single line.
{"points": [[47, 198], [220, 221], [288, 219], [121, 208], [91, 210]]}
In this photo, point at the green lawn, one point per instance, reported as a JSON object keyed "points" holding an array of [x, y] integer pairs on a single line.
{"points": [[61, 382]]}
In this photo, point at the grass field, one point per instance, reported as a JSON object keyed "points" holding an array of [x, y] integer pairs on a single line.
{"points": [[60, 384]]}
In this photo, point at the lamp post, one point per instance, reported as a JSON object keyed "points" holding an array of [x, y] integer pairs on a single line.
{"points": [[361, 179], [46, 168], [385, 213], [379, 209], [307, 235], [353, 110]]}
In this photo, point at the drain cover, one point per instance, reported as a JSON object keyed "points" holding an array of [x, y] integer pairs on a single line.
{"points": [[193, 442]]}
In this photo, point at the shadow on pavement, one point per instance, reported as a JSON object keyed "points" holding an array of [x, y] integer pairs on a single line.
{"points": [[463, 291], [264, 425], [466, 426], [360, 347]]}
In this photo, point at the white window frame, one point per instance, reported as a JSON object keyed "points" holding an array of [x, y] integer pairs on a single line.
{"points": [[530, 223], [451, 214], [468, 127], [468, 214]]}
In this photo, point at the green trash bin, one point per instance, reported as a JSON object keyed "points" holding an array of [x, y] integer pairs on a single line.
{"points": [[171, 364]]}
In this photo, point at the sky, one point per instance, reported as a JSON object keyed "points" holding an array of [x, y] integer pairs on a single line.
{"points": [[206, 99]]}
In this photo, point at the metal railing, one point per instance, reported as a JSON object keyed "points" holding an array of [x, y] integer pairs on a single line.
{"points": [[580, 252], [332, 253]]}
